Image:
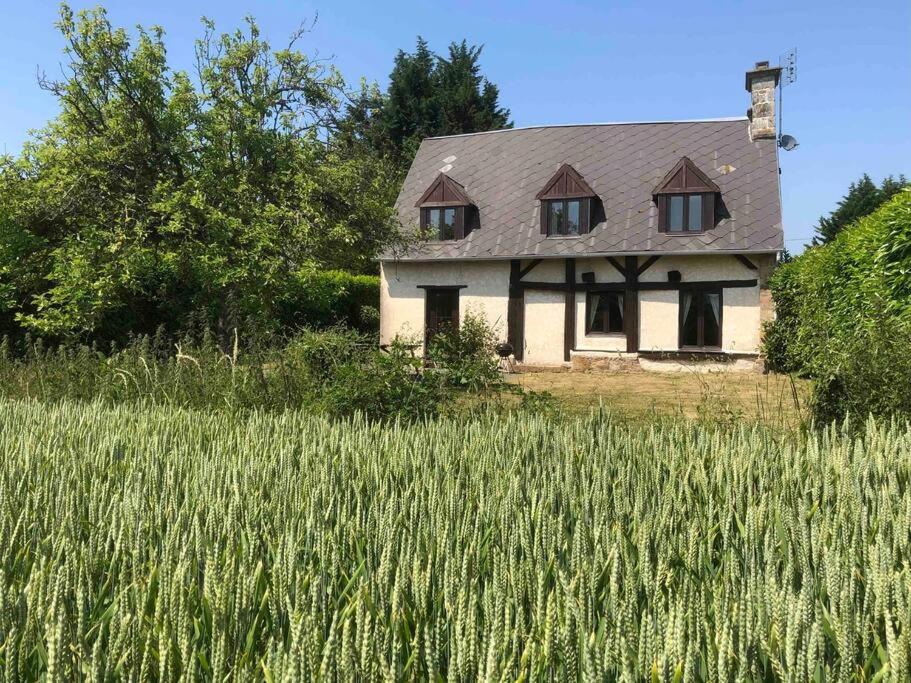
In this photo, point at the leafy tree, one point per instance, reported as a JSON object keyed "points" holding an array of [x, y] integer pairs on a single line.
{"points": [[862, 199], [428, 95], [156, 195]]}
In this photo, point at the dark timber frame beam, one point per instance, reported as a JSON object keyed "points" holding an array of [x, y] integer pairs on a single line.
{"points": [[616, 264], [631, 304], [649, 262], [527, 269], [747, 262], [638, 286], [569, 313], [515, 310]]}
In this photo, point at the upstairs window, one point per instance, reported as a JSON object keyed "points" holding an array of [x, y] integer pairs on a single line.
{"points": [[441, 222], [566, 204], [567, 217], [446, 211], [685, 212], [686, 200]]}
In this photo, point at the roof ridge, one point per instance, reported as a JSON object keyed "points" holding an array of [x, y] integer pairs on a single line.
{"points": [[723, 119]]}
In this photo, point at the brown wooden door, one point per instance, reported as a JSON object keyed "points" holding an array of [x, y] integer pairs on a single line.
{"points": [[442, 312]]}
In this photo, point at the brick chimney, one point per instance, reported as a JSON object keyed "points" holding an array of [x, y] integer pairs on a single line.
{"points": [[761, 82]]}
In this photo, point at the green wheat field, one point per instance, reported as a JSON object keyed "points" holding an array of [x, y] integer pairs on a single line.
{"points": [[149, 543]]}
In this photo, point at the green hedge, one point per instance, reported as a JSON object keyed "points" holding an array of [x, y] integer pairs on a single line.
{"points": [[844, 316], [332, 297]]}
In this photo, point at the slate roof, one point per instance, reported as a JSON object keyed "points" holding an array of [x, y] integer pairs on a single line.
{"points": [[502, 171]]}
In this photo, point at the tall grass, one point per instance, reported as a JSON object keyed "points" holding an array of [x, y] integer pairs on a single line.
{"points": [[333, 372], [164, 543]]}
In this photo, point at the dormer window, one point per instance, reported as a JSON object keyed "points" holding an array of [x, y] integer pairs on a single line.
{"points": [[567, 202], [440, 221], [566, 216], [686, 200], [684, 212], [446, 211]]}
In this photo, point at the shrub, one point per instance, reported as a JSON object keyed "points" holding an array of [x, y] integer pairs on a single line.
{"points": [[868, 371], [467, 354], [843, 315], [328, 298], [383, 384]]}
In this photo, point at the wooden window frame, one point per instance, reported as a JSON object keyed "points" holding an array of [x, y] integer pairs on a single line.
{"points": [[585, 205], [458, 230], [700, 292], [603, 333], [664, 213]]}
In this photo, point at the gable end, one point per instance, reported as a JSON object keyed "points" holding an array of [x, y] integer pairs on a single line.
{"points": [[564, 184], [444, 191], [685, 177]]}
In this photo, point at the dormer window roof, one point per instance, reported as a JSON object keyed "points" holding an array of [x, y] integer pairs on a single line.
{"points": [[686, 200], [444, 191], [566, 204], [447, 213]]}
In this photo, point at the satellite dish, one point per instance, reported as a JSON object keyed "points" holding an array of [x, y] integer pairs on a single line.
{"points": [[787, 142]]}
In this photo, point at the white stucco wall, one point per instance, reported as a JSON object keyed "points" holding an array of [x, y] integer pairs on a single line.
{"points": [[694, 268], [402, 306], [659, 310], [544, 324], [604, 272], [658, 321], [402, 302]]}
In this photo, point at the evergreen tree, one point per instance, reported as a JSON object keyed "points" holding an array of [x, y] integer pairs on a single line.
{"points": [[412, 107], [427, 96], [862, 199], [892, 187], [466, 101]]}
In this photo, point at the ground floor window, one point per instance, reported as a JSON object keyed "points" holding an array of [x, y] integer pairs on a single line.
{"points": [[604, 313], [700, 318], [442, 311]]}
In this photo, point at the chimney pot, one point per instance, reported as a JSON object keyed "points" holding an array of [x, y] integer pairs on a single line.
{"points": [[762, 65]]}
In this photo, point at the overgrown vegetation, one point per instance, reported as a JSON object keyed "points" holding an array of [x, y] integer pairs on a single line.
{"points": [[165, 544], [844, 316], [467, 354], [333, 372]]}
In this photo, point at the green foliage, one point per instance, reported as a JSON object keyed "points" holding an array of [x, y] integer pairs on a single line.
{"points": [[166, 544], [428, 95], [324, 298], [332, 372], [467, 354], [156, 195], [844, 316], [862, 199]]}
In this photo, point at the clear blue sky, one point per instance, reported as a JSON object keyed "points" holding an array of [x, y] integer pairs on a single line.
{"points": [[577, 62]]}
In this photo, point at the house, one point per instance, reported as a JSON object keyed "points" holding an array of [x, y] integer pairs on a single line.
{"points": [[588, 241]]}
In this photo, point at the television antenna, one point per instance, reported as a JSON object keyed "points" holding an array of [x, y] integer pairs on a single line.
{"points": [[788, 76]]}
